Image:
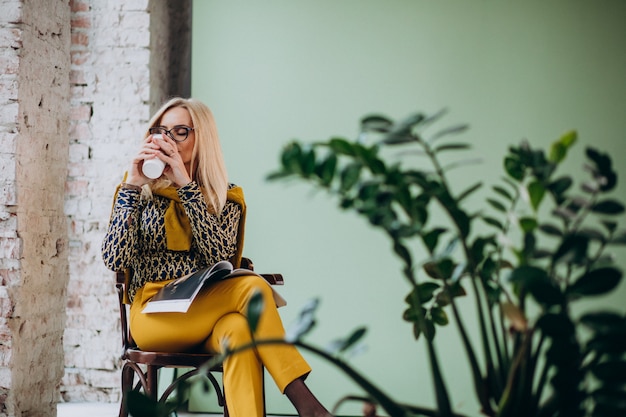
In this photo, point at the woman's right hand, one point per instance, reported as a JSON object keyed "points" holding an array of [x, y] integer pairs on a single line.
{"points": [[147, 151]]}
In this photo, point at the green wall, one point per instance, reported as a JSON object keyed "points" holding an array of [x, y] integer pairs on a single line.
{"points": [[276, 70]]}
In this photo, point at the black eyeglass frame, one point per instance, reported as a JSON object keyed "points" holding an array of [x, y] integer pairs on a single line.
{"points": [[161, 130]]}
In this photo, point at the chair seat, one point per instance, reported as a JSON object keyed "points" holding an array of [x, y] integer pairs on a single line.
{"points": [[183, 360]]}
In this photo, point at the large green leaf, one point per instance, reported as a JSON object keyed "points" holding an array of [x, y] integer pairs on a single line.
{"points": [[468, 192], [573, 249], [514, 168], [613, 371], [613, 343], [461, 163], [528, 224], [307, 162], [551, 230], [537, 282], [536, 191], [608, 332], [426, 290], [593, 234], [439, 268], [305, 322], [559, 149], [326, 169], [556, 325], [368, 191], [610, 401], [431, 238], [493, 222], [139, 405], [608, 206], [596, 282], [254, 310], [370, 159], [439, 316], [402, 251], [290, 157], [453, 290], [341, 146], [496, 205], [451, 147], [342, 345], [403, 132], [449, 131], [376, 123], [610, 225], [559, 186], [604, 321], [607, 177], [350, 176], [619, 238], [503, 192], [607, 410]]}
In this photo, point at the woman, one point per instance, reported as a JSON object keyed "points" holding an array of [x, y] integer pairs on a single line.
{"points": [[187, 219]]}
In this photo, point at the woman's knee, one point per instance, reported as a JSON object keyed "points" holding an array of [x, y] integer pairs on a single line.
{"points": [[258, 284], [232, 329], [253, 281]]}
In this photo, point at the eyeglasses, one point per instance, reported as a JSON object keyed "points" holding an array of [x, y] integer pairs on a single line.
{"points": [[177, 133]]}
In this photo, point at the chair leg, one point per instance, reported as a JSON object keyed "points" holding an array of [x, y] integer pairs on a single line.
{"points": [[127, 384], [152, 375]]}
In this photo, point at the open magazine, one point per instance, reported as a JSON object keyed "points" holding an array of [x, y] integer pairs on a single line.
{"points": [[178, 295]]}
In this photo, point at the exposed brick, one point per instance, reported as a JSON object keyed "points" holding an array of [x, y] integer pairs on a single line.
{"points": [[79, 6], [11, 12], [79, 57], [81, 113], [10, 248], [79, 39], [77, 77], [10, 64], [110, 84], [81, 21]]}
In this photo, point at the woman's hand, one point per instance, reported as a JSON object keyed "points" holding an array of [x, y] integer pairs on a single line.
{"points": [[167, 151], [147, 151]]}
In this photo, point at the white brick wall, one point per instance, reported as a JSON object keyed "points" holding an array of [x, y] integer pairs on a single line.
{"points": [[110, 94]]}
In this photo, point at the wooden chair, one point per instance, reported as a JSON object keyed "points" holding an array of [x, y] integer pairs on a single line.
{"points": [[146, 364]]}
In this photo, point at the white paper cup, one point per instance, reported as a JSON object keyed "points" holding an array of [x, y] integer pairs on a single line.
{"points": [[153, 168]]}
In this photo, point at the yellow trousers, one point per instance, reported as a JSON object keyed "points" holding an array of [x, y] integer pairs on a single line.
{"points": [[217, 316]]}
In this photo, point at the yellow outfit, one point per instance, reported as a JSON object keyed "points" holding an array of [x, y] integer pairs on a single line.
{"points": [[218, 315]]}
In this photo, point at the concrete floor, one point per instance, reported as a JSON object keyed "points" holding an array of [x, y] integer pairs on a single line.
{"points": [[103, 410], [87, 409]]}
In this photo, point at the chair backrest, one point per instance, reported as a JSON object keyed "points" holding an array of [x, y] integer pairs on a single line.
{"points": [[127, 338]]}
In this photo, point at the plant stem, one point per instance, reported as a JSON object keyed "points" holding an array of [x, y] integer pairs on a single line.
{"points": [[476, 373]]}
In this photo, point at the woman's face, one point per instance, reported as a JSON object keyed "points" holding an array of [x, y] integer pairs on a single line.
{"points": [[179, 116]]}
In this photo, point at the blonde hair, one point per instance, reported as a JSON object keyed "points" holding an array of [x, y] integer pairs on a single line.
{"points": [[207, 169]]}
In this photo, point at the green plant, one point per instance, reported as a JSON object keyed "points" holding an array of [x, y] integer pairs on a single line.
{"points": [[536, 356]]}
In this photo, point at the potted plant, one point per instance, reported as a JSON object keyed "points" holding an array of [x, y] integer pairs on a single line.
{"points": [[536, 247]]}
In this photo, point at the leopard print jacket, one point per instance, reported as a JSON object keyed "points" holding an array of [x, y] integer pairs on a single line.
{"points": [[135, 237]]}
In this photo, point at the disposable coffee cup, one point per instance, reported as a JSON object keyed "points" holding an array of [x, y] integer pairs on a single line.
{"points": [[153, 168]]}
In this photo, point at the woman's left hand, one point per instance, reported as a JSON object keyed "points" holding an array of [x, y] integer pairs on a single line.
{"points": [[175, 169]]}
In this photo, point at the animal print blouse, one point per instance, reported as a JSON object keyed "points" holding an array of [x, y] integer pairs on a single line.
{"points": [[136, 236]]}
